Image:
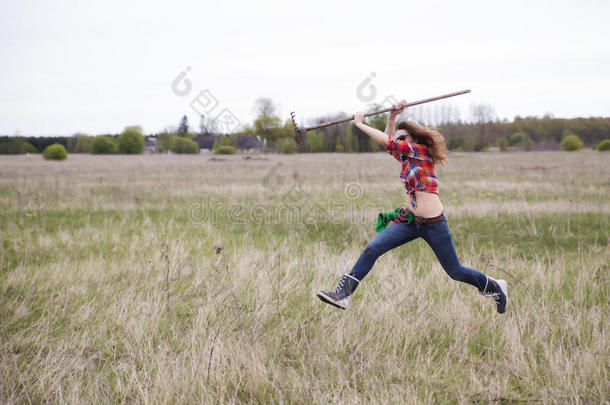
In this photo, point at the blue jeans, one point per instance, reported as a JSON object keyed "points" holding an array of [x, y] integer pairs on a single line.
{"points": [[437, 235]]}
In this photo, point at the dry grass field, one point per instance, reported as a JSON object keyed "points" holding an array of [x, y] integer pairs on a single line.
{"points": [[192, 279]]}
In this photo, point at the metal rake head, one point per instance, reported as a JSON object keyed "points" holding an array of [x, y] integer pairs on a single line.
{"points": [[299, 132]]}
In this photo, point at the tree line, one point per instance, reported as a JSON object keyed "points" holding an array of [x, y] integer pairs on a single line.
{"points": [[277, 135]]}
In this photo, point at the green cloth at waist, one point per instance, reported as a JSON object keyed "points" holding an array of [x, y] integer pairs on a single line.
{"points": [[398, 215]]}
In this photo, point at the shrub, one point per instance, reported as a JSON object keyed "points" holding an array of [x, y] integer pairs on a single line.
{"points": [[225, 150], [102, 145], [27, 147], [184, 145], [165, 141], [131, 141], [225, 140], [517, 138], [55, 152], [571, 143], [604, 145], [289, 146]]}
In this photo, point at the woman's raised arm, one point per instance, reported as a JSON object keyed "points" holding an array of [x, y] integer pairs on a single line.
{"points": [[390, 128], [374, 133]]}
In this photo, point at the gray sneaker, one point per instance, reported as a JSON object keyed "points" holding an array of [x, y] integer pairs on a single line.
{"points": [[499, 291], [338, 298]]}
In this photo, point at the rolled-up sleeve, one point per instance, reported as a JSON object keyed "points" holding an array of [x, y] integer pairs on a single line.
{"points": [[397, 147]]}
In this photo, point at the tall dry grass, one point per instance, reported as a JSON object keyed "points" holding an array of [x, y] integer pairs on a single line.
{"points": [[162, 279]]}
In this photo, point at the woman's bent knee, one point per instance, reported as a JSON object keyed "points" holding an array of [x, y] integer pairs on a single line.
{"points": [[456, 273], [372, 250]]}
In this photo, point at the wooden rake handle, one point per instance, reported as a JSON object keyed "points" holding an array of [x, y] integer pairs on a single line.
{"points": [[302, 131]]}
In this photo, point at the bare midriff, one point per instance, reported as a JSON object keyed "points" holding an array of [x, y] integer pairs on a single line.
{"points": [[428, 204]]}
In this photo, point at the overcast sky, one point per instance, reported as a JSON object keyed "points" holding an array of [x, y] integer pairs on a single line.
{"points": [[72, 66]]}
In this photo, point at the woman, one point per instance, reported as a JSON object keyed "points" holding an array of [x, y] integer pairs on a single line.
{"points": [[418, 149]]}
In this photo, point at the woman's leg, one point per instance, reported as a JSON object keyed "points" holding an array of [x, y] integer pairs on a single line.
{"points": [[438, 236], [394, 235]]}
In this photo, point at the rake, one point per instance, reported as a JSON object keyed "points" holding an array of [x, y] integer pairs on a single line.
{"points": [[302, 131]]}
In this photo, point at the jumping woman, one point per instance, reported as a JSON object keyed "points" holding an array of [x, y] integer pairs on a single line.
{"points": [[418, 149]]}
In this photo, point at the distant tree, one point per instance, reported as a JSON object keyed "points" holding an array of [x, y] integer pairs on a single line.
{"points": [[471, 142], [18, 145], [446, 113], [83, 144], [455, 141], [206, 125], [350, 140], [137, 128], [361, 139], [502, 143], [522, 139], [183, 128], [101, 145], [433, 114], [517, 138], [12, 147], [55, 152], [482, 113], [571, 141], [376, 121], [339, 145], [287, 130], [269, 128], [264, 107], [314, 142], [130, 142], [527, 143], [374, 146]]}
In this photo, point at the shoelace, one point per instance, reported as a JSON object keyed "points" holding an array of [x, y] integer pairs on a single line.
{"points": [[490, 294], [340, 286], [495, 295]]}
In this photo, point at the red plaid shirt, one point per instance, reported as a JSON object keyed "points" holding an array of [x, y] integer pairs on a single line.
{"points": [[417, 171]]}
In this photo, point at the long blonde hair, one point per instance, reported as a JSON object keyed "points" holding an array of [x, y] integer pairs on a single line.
{"points": [[434, 141]]}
